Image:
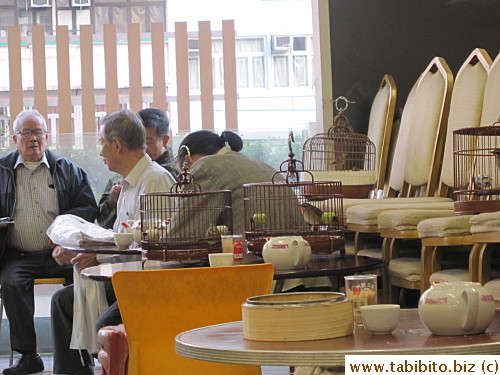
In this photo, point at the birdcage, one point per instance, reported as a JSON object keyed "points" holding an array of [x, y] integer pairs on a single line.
{"points": [[476, 162], [341, 154], [186, 223], [287, 206]]}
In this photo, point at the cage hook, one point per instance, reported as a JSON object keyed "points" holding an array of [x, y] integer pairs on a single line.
{"points": [[345, 101], [290, 140]]}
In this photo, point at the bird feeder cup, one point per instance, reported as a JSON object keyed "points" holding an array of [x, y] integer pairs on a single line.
{"points": [[476, 163]]}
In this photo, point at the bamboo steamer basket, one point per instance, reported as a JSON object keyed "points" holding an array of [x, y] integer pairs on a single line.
{"points": [[297, 316]]}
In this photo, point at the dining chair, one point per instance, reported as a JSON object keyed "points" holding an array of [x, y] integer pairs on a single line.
{"points": [[41, 281], [416, 163], [158, 305]]}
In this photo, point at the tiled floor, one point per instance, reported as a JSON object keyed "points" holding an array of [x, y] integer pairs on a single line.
{"points": [[47, 359]]}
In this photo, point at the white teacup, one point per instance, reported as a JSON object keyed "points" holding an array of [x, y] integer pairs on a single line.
{"points": [[123, 240], [380, 319], [221, 259]]}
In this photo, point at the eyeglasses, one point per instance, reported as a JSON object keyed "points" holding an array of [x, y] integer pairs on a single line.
{"points": [[27, 133]]}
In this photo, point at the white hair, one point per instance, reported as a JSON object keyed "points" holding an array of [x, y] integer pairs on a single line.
{"points": [[29, 115]]}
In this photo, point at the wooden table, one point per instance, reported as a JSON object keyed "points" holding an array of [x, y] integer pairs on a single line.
{"points": [[331, 265], [225, 343]]}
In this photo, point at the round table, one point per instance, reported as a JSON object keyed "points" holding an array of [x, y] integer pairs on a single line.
{"points": [[225, 343]]}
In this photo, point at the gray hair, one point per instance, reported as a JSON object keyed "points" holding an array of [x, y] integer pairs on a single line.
{"points": [[126, 126], [29, 115]]}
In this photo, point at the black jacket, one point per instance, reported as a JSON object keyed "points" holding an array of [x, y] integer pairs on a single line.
{"points": [[73, 189]]}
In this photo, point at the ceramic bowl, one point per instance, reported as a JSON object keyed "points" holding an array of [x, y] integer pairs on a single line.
{"points": [[380, 319], [221, 259], [123, 240]]}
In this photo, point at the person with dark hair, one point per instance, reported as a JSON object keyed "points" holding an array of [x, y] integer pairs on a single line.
{"points": [[36, 186], [123, 140], [157, 137], [216, 164]]}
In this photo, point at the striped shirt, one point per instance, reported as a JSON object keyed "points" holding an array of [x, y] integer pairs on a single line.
{"points": [[36, 206]]}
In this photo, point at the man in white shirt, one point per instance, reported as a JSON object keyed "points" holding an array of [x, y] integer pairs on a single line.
{"points": [[123, 140]]}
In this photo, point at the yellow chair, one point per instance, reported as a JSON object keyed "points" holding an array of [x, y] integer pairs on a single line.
{"points": [[156, 305]]}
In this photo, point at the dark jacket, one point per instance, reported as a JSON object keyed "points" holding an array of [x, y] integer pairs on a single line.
{"points": [[73, 189]]}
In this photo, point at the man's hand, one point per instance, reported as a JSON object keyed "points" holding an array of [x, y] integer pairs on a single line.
{"points": [[82, 261], [62, 256], [114, 193]]}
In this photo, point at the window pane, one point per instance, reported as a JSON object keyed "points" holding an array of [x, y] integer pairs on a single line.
{"points": [[101, 18], [7, 3], [44, 17], [64, 18], [62, 3], [82, 18], [138, 15], [156, 14], [194, 73], [7, 18], [242, 72], [250, 45], [120, 18], [281, 71], [299, 43], [216, 45], [300, 70], [259, 76]]}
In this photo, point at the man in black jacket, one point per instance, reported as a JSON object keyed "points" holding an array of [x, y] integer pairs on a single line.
{"points": [[35, 186]]}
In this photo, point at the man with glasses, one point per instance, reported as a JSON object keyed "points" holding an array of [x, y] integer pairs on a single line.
{"points": [[36, 185]]}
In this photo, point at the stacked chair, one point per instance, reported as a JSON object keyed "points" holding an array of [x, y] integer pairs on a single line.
{"points": [[479, 231], [465, 111]]}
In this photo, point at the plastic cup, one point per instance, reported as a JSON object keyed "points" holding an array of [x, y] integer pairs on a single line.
{"points": [[362, 291]]}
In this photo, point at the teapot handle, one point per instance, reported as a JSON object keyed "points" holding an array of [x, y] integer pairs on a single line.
{"points": [[472, 298], [301, 254]]}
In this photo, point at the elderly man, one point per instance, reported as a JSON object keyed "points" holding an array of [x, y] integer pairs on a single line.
{"points": [[35, 186], [156, 123], [123, 141]]}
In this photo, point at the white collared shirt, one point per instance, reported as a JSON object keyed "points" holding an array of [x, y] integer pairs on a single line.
{"points": [[146, 177]]}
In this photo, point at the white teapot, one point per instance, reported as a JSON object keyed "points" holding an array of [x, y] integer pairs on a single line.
{"points": [[456, 308], [289, 252]]}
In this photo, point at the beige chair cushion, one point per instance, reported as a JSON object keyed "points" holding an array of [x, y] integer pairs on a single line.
{"points": [[493, 287], [487, 222], [351, 202], [408, 219], [368, 214], [371, 253], [445, 226], [453, 274], [405, 268]]}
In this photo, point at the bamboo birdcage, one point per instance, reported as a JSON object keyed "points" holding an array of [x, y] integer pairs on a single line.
{"points": [[281, 207], [476, 163], [186, 223], [341, 154]]}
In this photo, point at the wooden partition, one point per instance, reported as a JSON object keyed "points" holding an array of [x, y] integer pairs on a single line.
{"points": [[100, 67]]}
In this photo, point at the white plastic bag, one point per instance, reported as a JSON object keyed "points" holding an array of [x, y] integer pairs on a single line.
{"points": [[73, 231]]}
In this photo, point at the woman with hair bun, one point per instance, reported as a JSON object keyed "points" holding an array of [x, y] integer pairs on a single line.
{"points": [[216, 164]]}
